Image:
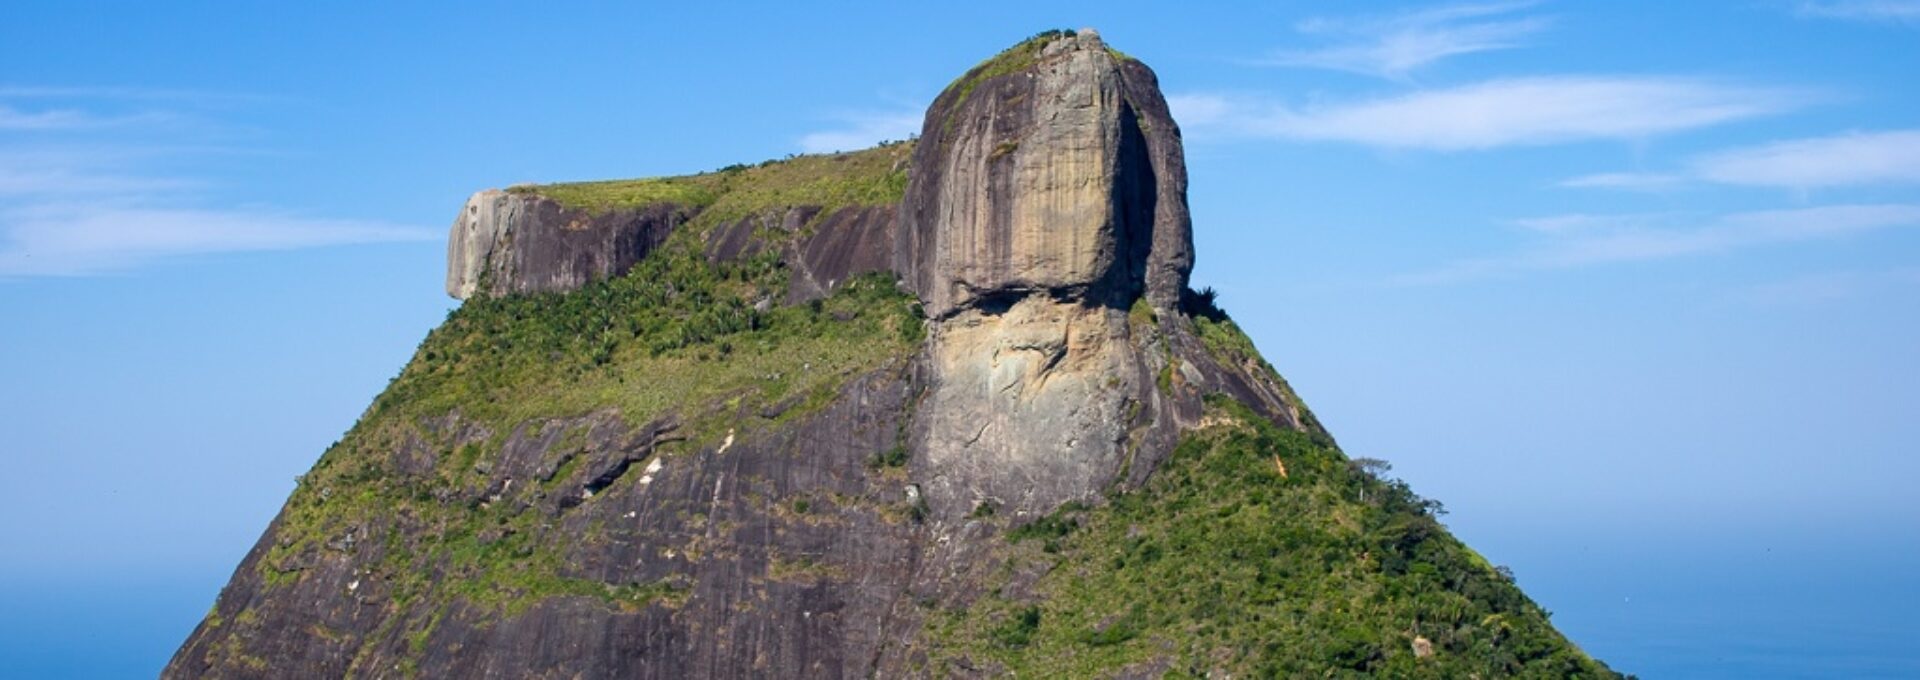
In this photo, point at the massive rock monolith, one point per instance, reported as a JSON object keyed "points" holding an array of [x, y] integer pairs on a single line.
{"points": [[1047, 197], [1053, 169], [565, 484]]}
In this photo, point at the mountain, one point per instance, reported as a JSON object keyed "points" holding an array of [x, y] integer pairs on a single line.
{"points": [[944, 407]]}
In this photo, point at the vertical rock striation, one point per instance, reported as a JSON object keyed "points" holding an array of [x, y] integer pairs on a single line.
{"points": [[504, 243], [1053, 167], [1048, 195]]}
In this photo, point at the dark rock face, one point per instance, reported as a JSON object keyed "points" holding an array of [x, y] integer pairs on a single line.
{"points": [[845, 244], [822, 251], [787, 555], [504, 243], [766, 589]]}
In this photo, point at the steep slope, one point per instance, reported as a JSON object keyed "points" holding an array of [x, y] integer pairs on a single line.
{"points": [[942, 407]]}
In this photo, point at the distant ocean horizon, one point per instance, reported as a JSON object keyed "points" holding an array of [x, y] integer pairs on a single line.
{"points": [[1766, 602]]}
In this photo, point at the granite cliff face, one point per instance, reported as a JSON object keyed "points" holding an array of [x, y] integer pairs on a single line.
{"points": [[1033, 221], [506, 243], [1062, 175], [876, 414]]}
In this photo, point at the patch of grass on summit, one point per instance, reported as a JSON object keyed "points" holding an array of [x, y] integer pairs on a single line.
{"points": [[876, 176], [1014, 59], [625, 193]]}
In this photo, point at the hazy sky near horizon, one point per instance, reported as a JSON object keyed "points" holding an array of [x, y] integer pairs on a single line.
{"points": [[1599, 276]]}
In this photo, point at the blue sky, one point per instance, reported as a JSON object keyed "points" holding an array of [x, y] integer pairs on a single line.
{"points": [[1631, 287]]}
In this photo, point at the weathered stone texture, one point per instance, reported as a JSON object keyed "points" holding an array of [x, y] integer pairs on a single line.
{"points": [[1065, 177], [1042, 204], [718, 522], [505, 242]]}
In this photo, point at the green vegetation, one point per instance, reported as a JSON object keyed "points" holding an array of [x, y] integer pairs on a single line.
{"points": [[1230, 346], [1141, 314], [675, 331], [695, 192], [984, 509], [894, 457], [1018, 629], [875, 176], [677, 336], [1222, 562], [1014, 59]]}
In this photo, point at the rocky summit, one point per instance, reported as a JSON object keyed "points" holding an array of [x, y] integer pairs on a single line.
{"points": [[944, 407]]}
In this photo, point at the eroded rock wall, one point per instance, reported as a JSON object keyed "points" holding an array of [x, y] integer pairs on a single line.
{"points": [[1064, 176], [1043, 203], [787, 552], [822, 248], [506, 242], [1028, 406]]}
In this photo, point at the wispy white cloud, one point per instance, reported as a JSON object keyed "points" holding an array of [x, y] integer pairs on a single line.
{"points": [[124, 93], [1394, 46], [15, 181], [75, 201], [1628, 181], [16, 120], [1863, 10], [1496, 113], [1830, 286], [1852, 159], [1630, 238], [862, 130], [37, 175], [1588, 223], [74, 239], [1859, 158], [83, 239]]}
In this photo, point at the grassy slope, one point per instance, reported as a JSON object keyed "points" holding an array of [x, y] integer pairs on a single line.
{"points": [[1224, 561], [676, 335], [876, 176]]}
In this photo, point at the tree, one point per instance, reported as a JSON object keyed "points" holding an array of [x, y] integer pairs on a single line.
{"points": [[1371, 467], [1371, 470]]}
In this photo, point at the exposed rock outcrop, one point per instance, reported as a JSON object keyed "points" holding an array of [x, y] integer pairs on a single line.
{"points": [[1047, 196], [507, 242], [822, 248], [1028, 406], [1055, 168]]}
